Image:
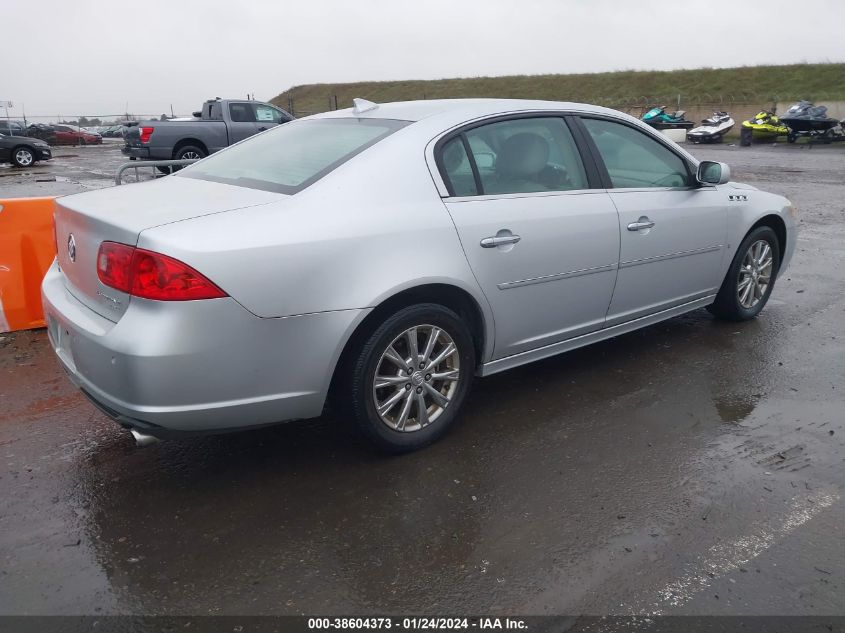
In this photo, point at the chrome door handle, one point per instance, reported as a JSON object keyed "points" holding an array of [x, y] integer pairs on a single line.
{"points": [[499, 240], [639, 225]]}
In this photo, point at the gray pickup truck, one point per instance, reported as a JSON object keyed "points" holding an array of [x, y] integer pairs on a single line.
{"points": [[220, 123]]}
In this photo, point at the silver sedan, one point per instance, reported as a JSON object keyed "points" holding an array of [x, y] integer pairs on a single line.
{"points": [[386, 255]]}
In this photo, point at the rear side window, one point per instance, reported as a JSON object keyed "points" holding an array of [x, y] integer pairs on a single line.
{"points": [[293, 156], [458, 168], [241, 112], [523, 155], [633, 159]]}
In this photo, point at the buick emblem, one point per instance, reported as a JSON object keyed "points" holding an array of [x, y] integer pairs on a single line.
{"points": [[71, 247]]}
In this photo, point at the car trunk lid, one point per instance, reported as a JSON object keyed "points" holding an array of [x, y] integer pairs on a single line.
{"points": [[120, 214]]}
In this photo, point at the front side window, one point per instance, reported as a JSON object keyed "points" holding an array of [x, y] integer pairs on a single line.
{"points": [[267, 114], [290, 157], [633, 159], [525, 155]]}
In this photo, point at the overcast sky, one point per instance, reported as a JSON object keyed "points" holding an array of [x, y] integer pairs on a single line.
{"points": [[92, 57]]}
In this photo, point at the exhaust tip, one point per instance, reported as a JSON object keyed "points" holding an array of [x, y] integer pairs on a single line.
{"points": [[142, 439]]}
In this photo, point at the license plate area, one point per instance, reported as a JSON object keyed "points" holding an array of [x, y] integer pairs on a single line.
{"points": [[61, 339]]}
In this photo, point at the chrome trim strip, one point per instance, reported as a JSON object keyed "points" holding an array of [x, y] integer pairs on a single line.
{"points": [[540, 280], [657, 258], [522, 195]]}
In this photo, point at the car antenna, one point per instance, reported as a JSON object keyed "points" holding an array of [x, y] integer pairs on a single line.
{"points": [[362, 105]]}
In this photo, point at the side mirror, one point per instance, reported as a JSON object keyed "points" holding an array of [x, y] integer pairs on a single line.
{"points": [[713, 173]]}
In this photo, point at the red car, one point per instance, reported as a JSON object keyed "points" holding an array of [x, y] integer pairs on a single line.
{"points": [[68, 135]]}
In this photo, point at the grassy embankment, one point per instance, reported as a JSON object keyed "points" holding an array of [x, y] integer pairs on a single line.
{"points": [[753, 85]]}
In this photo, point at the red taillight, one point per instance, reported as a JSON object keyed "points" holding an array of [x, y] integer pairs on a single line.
{"points": [[150, 275], [146, 133], [113, 265]]}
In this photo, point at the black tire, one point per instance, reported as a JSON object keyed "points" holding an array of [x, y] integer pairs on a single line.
{"points": [[791, 138], [164, 170], [23, 150], [727, 305], [187, 151], [745, 137], [365, 361]]}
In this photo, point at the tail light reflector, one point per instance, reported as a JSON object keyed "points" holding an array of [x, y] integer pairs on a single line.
{"points": [[146, 133], [150, 275]]}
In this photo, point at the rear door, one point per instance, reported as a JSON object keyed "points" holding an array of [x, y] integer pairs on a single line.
{"points": [[672, 230], [241, 121], [541, 242]]}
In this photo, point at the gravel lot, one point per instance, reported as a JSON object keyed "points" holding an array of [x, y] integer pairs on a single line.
{"points": [[692, 467]]}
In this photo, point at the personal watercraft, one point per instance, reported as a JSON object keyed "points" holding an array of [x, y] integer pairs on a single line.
{"points": [[764, 125], [805, 119], [659, 119], [711, 129]]}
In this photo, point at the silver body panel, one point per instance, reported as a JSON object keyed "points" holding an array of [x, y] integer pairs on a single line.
{"points": [[304, 270]]}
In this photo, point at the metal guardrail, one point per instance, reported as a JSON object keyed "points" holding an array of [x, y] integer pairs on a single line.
{"points": [[153, 164]]}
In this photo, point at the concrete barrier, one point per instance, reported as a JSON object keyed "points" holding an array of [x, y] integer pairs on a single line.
{"points": [[27, 248]]}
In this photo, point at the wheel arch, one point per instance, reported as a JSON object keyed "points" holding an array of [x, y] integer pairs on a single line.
{"points": [[189, 141], [450, 295], [776, 223]]}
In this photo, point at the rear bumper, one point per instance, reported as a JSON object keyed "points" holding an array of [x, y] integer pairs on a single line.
{"points": [[175, 368], [136, 152]]}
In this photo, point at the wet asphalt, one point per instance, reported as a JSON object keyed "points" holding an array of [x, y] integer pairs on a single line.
{"points": [[693, 467]]}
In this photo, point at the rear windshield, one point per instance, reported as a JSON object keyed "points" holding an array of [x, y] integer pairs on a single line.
{"points": [[294, 155]]}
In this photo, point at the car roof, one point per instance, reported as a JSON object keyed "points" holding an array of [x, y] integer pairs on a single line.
{"points": [[461, 109]]}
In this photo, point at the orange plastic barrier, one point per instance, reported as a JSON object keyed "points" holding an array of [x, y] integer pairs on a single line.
{"points": [[27, 248]]}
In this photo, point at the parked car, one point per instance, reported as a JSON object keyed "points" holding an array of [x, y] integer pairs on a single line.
{"points": [[388, 254], [10, 127], [71, 135], [42, 131], [23, 151], [113, 131], [219, 124]]}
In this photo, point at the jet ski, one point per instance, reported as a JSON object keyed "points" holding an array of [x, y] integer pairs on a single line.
{"points": [[764, 125], [806, 119], [659, 119], [711, 129]]}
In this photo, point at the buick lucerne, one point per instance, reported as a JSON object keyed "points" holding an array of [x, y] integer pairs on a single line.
{"points": [[386, 255]]}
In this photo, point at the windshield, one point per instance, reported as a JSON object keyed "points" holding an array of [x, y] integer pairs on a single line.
{"points": [[293, 155]]}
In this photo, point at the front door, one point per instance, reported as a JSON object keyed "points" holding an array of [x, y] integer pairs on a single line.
{"points": [[672, 230], [241, 121], [541, 243]]}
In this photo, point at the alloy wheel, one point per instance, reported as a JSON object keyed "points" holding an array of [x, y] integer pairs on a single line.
{"points": [[416, 378], [755, 274], [24, 157]]}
